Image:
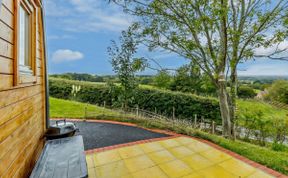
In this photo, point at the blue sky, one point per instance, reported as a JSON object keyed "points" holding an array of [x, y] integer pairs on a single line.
{"points": [[79, 32]]}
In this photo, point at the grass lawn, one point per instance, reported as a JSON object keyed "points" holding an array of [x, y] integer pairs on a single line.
{"points": [[277, 160], [60, 108]]}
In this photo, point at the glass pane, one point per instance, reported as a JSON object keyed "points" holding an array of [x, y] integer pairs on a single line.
{"points": [[24, 59]]}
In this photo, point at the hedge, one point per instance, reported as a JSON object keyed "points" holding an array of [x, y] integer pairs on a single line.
{"points": [[186, 105]]}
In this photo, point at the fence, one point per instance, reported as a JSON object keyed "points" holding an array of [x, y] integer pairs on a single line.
{"points": [[197, 122], [278, 104]]}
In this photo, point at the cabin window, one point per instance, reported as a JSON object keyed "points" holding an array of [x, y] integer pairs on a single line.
{"points": [[26, 43], [24, 54]]}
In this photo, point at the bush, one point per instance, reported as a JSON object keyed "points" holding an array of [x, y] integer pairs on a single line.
{"points": [[278, 91], [186, 105], [246, 92]]}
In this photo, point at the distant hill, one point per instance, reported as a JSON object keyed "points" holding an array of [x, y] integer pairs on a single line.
{"points": [[262, 79]]}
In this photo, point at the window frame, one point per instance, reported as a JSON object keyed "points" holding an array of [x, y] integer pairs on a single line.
{"points": [[28, 75]]}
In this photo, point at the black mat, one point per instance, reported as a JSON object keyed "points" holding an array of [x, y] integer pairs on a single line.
{"points": [[97, 135]]}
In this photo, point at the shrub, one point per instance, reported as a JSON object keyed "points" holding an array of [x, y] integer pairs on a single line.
{"points": [[246, 92], [186, 105], [278, 91]]}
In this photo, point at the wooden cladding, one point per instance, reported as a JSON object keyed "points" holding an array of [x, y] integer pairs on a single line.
{"points": [[22, 98]]}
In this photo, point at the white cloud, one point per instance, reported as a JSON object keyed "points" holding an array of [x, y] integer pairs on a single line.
{"points": [[87, 16], [276, 68], [60, 37], [54, 10], [65, 55], [270, 50]]}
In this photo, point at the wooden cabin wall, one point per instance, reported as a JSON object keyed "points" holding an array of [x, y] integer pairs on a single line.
{"points": [[22, 107]]}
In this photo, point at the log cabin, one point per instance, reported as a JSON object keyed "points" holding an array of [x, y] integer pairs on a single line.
{"points": [[23, 83]]}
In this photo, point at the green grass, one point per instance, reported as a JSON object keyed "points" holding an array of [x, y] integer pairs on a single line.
{"points": [[269, 111], [277, 160], [60, 108]]}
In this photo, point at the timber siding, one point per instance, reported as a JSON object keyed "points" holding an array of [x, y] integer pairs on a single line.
{"points": [[22, 100]]}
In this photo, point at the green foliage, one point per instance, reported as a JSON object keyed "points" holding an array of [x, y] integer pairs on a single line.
{"points": [[125, 65], [186, 105], [278, 91], [246, 92], [189, 78], [162, 79], [279, 147]]}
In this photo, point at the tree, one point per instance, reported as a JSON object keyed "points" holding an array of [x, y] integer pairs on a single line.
{"points": [[215, 34], [162, 79], [125, 65], [187, 79]]}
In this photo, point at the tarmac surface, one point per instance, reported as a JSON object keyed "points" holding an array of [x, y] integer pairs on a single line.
{"points": [[97, 135]]}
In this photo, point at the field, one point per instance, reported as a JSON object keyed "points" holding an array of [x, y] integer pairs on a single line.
{"points": [[253, 106]]}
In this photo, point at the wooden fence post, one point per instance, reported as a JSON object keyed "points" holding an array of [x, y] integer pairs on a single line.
{"points": [[137, 110], [195, 120], [202, 122], [213, 127], [173, 114], [104, 104], [155, 110]]}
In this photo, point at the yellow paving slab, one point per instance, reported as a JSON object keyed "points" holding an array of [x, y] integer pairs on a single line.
{"points": [[138, 163], [161, 156], [169, 143], [151, 147], [131, 151], [216, 172], [199, 146], [106, 157], [92, 172], [89, 160], [115, 169], [180, 157], [175, 168], [238, 167], [259, 174], [181, 151], [197, 162], [215, 156], [193, 175], [152, 172], [185, 140]]}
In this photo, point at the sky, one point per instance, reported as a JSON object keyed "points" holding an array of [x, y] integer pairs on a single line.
{"points": [[78, 33]]}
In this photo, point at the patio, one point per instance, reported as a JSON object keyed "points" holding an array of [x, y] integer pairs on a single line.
{"points": [[134, 152]]}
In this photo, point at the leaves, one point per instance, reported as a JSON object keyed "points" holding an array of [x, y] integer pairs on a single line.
{"points": [[124, 63]]}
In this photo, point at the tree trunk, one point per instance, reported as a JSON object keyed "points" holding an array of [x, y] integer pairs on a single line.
{"points": [[233, 96], [226, 112]]}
